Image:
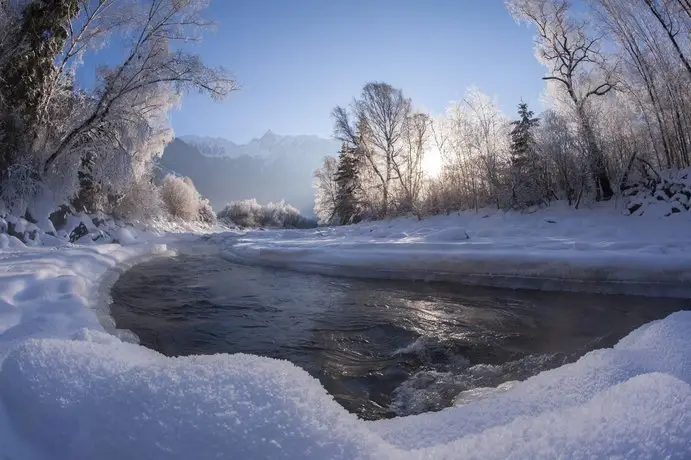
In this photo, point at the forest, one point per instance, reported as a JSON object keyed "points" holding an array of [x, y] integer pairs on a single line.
{"points": [[617, 124]]}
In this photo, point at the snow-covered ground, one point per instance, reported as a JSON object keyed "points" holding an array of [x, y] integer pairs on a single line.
{"points": [[597, 250], [72, 387]]}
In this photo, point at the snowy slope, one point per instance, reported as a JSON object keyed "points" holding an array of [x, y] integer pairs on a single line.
{"points": [[69, 390], [597, 250]]}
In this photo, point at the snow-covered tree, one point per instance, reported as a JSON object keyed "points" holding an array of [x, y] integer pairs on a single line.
{"points": [[375, 127], [527, 175], [347, 179], [94, 145], [325, 190], [576, 64]]}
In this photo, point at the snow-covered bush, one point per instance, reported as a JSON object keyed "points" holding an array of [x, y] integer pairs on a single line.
{"points": [[249, 214], [180, 198], [206, 212], [142, 202]]}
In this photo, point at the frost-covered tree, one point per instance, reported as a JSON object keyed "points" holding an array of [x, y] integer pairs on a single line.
{"points": [[347, 179], [576, 64], [325, 190], [98, 144], [408, 164], [376, 126], [180, 197], [526, 168], [654, 76]]}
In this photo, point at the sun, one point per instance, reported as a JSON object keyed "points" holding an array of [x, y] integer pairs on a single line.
{"points": [[432, 163]]}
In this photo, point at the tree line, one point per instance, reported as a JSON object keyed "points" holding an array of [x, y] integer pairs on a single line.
{"points": [[618, 98]]}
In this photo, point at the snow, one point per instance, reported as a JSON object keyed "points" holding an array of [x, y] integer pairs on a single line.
{"points": [[73, 387], [596, 249]]}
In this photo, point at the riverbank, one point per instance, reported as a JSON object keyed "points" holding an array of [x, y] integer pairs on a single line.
{"points": [[69, 390], [557, 248]]}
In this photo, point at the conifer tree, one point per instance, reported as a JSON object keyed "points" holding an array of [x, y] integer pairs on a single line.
{"points": [[347, 180], [525, 168]]}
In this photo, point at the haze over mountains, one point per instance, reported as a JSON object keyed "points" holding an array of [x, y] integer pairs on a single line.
{"points": [[269, 168]]}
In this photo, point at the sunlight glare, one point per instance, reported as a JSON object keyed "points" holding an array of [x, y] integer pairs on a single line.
{"points": [[432, 163]]}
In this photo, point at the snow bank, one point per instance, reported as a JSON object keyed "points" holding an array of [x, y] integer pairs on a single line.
{"points": [[93, 396], [594, 250], [70, 391]]}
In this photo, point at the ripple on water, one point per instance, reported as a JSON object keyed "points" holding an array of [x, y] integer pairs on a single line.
{"points": [[380, 348]]}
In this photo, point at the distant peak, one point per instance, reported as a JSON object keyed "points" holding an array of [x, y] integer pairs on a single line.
{"points": [[269, 136]]}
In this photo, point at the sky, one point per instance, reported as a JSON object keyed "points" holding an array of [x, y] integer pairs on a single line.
{"points": [[295, 60]]}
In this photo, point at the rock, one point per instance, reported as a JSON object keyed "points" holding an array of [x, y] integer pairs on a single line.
{"points": [[59, 218], [634, 207], [79, 231]]}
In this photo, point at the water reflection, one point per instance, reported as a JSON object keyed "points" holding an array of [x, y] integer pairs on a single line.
{"points": [[381, 348]]}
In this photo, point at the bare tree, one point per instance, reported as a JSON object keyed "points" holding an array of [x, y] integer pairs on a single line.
{"points": [[408, 164], [150, 65], [673, 23], [376, 127], [651, 76], [576, 63]]}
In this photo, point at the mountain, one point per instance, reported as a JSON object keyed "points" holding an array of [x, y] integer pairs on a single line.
{"points": [[270, 168], [270, 146]]}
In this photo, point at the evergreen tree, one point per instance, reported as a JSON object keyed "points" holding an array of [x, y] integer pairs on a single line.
{"points": [[522, 139], [40, 38], [36, 41], [347, 181], [526, 187]]}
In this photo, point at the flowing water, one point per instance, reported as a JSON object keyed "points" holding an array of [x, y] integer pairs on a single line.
{"points": [[381, 348]]}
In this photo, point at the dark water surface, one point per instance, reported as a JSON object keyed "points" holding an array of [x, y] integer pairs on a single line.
{"points": [[381, 348]]}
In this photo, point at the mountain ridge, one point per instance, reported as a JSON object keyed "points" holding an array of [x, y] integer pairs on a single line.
{"points": [[270, 168]]}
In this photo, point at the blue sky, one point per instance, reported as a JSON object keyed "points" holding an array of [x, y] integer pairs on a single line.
{"points": [[297, 59]]}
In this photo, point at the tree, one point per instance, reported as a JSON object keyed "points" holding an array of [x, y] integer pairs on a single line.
{"points": [[408, 164], [100, 143], [325, 190], [525, 169], [34, 36], [128, 90], [522, 136], [576, 64], [346, 207], [376, 126]]}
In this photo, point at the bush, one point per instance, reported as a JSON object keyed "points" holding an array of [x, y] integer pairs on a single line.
{"points": [[180, 198], [206, 212], [142, 202], [249, 214]]}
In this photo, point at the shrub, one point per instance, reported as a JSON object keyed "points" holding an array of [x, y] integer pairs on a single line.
{"points": [[142, 202], [180, 198], [206, 212], [249, 213]]}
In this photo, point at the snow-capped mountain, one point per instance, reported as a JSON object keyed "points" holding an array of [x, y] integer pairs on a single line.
{"points": [[269, 147], [270, 168]]}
